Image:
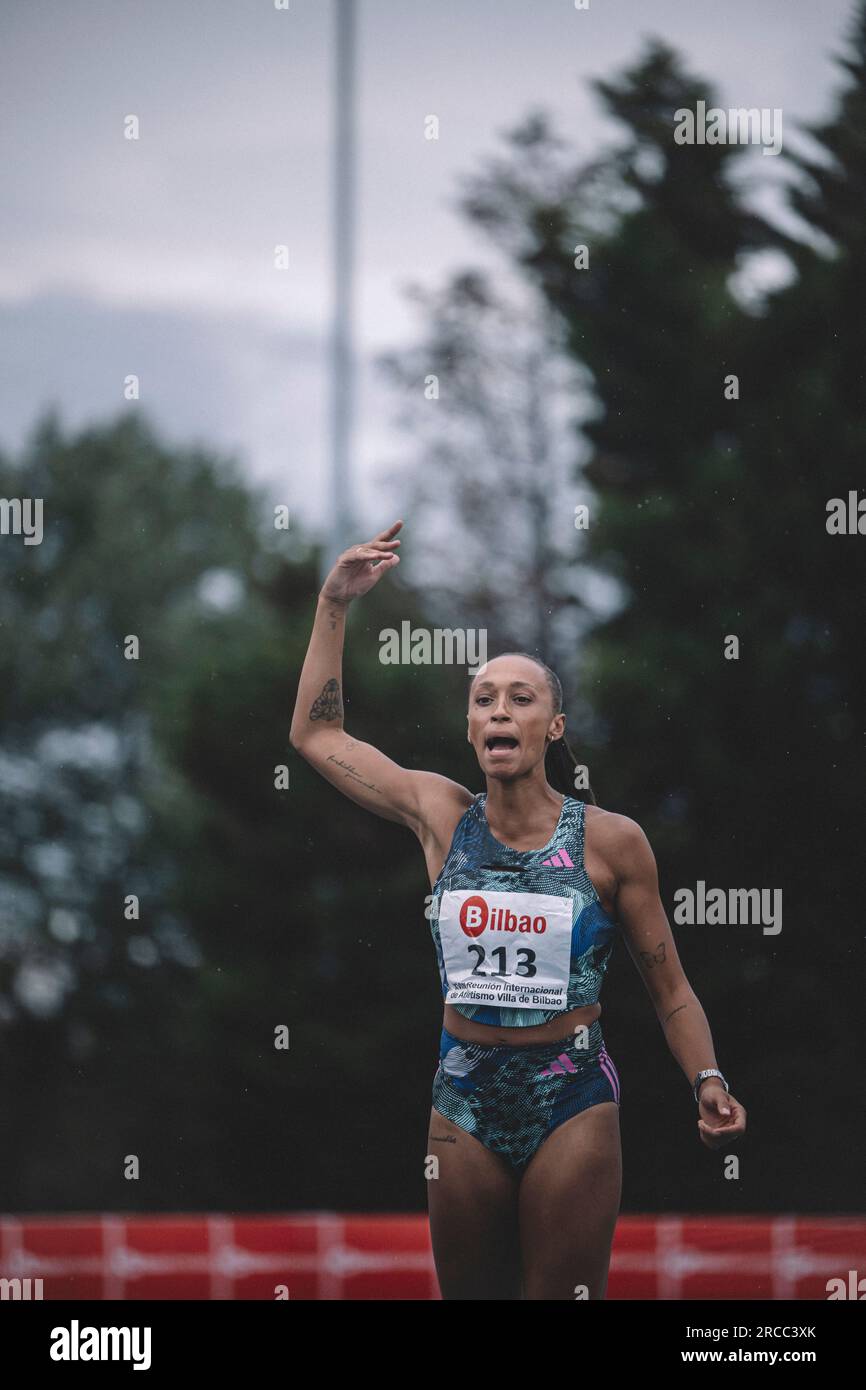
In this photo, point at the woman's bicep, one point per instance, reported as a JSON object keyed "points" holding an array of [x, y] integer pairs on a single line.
{"points": [[373, 780], [363, 774], [642, 916]]}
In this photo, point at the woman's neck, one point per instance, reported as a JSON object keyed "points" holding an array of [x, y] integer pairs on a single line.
{"points": [[522, 810]]}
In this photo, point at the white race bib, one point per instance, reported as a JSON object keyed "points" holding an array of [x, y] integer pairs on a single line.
{"points": [[508, 949]]}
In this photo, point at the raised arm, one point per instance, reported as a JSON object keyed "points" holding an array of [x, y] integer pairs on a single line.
{"points": [[357, 769]]}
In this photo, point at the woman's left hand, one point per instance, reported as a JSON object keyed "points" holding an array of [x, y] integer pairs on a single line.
{"points": [[721, 1118]]}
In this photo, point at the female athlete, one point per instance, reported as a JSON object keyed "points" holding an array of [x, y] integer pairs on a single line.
{"points": [[529, 886]]}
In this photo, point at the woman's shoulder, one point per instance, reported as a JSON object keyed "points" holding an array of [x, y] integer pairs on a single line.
{"points": [[442, 804], [615, 835]]}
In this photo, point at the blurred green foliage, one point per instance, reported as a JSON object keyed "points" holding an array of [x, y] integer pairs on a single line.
{"points": [[262, 907]]}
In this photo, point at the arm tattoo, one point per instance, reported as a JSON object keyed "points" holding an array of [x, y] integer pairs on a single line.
{"points": [[353, 773], [651, 958], [328, 705], [675, 1011]]}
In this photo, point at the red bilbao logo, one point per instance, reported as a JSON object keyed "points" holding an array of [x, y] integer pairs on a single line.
{"points": [[477, 916]]}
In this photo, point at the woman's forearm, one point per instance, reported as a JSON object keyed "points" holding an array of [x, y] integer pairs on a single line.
{"points": [[319, 702], [687, 1031]]}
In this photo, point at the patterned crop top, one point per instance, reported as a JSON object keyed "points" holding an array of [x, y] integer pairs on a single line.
{"points": [[520, 935]]}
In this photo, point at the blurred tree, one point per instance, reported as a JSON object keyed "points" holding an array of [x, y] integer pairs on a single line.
{"points": [[259, 906], [138, 543], [713, 516], [263, 906], [489, 399], [710, 517], [654, 320]]}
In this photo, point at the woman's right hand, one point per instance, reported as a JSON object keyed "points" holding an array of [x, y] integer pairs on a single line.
{"points": [[361, 566]]}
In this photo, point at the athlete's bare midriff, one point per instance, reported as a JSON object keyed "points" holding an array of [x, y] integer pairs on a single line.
{"points": [[466, 1029]]}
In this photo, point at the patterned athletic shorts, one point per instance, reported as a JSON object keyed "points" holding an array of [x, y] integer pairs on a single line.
{"points": [[512, 1097]]}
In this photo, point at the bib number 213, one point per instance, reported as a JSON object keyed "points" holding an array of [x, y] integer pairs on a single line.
{"points": [[510, 949]]}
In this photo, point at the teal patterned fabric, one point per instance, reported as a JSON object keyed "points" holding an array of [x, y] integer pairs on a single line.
{"points": [[512, 1097], [478, 861]]}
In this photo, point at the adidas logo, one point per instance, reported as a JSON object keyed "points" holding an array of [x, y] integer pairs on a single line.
{"points": [[562, 1064], [560, 859]]}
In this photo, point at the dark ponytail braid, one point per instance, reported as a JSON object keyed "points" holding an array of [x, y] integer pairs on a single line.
{"points": [[559, 768]]}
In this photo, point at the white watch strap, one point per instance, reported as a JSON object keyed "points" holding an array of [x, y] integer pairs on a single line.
{"points": [[702, 1076]]}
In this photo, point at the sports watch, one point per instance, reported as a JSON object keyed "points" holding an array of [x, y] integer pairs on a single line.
{"points": [[702, 1076]]}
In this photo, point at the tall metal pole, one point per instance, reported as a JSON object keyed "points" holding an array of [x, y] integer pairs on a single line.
{"points": [[339, 521]]}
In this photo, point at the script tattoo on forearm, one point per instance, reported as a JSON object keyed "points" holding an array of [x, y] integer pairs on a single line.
{"points": [[329, 704], [651, 958], [354, 773], [675, 1011]]}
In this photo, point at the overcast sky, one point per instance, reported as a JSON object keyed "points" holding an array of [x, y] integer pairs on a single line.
{"points": [[155, 256]]}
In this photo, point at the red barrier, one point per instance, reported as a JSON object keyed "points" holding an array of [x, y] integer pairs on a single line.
{"points": [[321, 1255]]}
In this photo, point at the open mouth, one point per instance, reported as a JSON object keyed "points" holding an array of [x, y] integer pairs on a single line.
{"points": [[500, 743]]}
